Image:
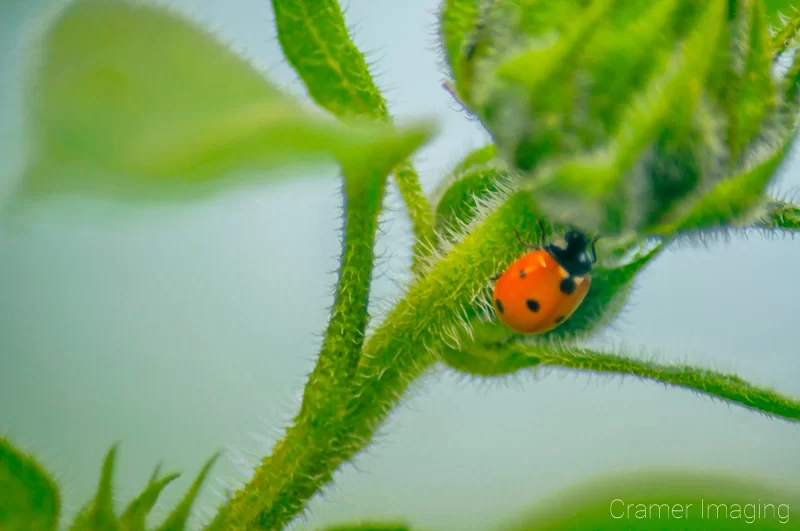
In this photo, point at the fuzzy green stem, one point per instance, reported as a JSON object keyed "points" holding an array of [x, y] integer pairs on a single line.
{"points": [[419, 212], [308, 441], [405, 345], [490, 361]]}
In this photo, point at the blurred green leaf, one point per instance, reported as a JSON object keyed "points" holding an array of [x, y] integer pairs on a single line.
{"points": [[457, 20], [132, 101], [474, 160], [459, 204], [98, 515], [789, 117], [29, 498], [135, 515], [477, 157], [220, 520], [730, 200], [754, 87], [605, 189], [176, 521], [665, 500]]}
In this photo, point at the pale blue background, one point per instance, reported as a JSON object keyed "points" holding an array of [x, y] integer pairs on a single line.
{"points": [[182, 331]]}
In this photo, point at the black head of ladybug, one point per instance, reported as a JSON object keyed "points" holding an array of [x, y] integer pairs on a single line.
{"points": [[575, 252]]}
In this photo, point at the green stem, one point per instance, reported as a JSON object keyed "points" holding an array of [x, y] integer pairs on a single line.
{"points": [[329, 385], [405, 345], [489, 361], [419, 212]]}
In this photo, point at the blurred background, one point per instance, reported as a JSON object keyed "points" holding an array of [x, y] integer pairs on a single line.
{"points": [[183, 330]]}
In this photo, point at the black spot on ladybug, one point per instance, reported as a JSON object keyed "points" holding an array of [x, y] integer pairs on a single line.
{"points": [[521, 273], [559, 319], [499, 305], [567, 286], [532, 305]]}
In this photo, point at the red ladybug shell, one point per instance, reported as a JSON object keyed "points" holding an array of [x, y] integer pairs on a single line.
{"points": [[536, 294]]}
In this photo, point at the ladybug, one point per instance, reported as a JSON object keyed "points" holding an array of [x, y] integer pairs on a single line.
{"points": [[540, 290]]}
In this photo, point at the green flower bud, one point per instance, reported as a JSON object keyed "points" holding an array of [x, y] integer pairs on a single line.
{"points": [[621, 116]]}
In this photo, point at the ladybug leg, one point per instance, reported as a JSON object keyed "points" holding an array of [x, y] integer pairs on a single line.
{"points": [[594, 251], [494, 278], [524, 244]]}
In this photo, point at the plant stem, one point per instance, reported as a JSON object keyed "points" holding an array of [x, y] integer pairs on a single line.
{"points": [[404, 346], [419, 212], [497, 361]]}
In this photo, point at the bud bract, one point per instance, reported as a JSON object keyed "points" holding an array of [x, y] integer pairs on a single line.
{"points": [[631, 115]]}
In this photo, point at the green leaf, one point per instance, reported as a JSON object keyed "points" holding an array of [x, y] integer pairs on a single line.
{"points": [[99, 515], [681, 498], [220, 520], [729, 201], [458, 205], [790, 106], [176, 521], [587, 190], [131, 101], [534, 65], [135, 515], [728, 387], [473, 160], [316, 43], [29, 499], [606, 298], [755, 93], [479, 176], [478, 157]]}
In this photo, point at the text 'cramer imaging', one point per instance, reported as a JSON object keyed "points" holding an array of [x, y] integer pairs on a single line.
{"points": [[705, 510]]}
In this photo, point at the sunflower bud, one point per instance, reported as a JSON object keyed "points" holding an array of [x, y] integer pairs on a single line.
{"points": [[624, 116]]}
